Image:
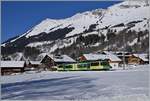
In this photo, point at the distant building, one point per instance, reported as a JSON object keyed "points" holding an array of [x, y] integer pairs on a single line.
{"points": [[138, 59], [10, 67]]}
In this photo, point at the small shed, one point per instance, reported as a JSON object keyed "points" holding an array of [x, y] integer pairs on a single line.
{"points": [[10, 67]]}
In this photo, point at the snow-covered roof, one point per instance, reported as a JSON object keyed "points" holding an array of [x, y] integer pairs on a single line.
{"points": [[12, 64], [119, 53], [41, 56], [35, 62], [18, 56], [112, 56], [142, 56], [93, 56], [61, 58]]}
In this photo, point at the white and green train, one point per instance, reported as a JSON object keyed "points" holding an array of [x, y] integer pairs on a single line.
{"points": [[84, 66]]}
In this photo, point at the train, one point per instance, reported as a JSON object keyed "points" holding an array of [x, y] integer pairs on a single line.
{"points": [[84, 66]]}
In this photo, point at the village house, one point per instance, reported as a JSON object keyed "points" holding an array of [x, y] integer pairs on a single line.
{"points": [[51, 61], [92, 57], [95, 60], [138, 59], [113, 59], [11, 67]]}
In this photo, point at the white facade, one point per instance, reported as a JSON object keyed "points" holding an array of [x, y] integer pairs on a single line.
{"points": [[114, 65]]}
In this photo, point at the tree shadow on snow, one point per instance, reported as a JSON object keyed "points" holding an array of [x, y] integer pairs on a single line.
{"points": [[48, 88]]}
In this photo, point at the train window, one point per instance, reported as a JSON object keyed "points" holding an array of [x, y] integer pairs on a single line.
{"points": [[88, 65], [82, 65], [68, 66], [104, 63], [95, 64], [60, 66]]}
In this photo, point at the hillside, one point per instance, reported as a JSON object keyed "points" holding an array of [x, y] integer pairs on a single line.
{"points": [[123, 26]]}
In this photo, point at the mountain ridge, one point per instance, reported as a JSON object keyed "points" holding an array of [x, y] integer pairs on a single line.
{"points": [[102, 25]]}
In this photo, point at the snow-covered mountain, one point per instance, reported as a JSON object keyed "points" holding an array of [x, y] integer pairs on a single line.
{"points": [[88, 31]]}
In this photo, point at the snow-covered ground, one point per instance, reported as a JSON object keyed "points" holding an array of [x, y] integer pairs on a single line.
{"points": [[127, 85]]}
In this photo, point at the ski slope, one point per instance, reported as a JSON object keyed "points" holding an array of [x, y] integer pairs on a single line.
{"points": [[81, 85]]}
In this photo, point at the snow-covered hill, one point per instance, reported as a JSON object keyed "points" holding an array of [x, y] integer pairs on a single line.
{"points": [[52, 34]]}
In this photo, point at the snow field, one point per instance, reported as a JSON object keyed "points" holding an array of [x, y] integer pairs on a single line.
{"points": [[79, 86]]}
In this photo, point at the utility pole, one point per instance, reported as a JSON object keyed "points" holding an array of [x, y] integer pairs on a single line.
{"points": [[124, 44], [148, 21], [149, 43], [124, 63]]}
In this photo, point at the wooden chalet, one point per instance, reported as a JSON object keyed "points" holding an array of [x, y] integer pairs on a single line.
{"points": [[51, 61], [10, 67], [138, 59]]}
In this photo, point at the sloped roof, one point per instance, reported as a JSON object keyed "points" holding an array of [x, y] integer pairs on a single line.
{"points": [[112, 56], [142, 56], [20, 57], [35, 62], [62, 58], [59, 58], [41, 56], [12, 64], [93, 56]]}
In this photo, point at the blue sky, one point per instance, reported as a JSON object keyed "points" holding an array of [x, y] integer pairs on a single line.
{"points": [[18, 17]]}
